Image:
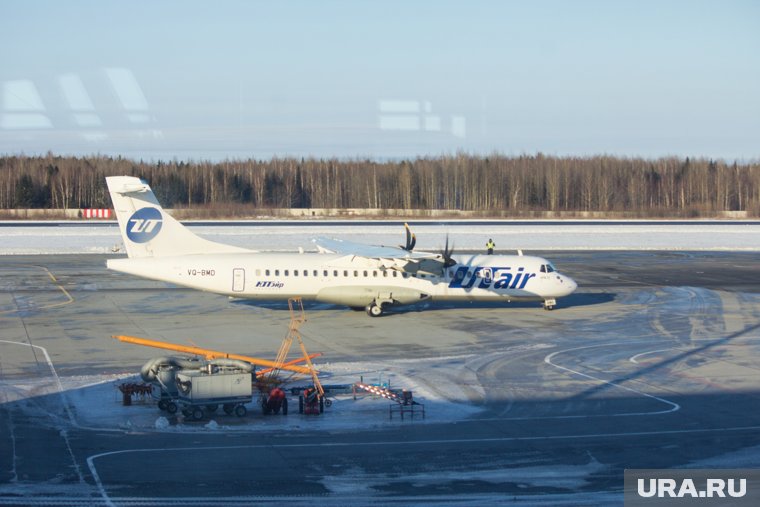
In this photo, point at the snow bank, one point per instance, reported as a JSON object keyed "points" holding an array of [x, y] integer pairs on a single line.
{"points": [[77, 238]]}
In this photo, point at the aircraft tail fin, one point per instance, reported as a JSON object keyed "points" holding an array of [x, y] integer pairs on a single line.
{"points": [[147, 230]]}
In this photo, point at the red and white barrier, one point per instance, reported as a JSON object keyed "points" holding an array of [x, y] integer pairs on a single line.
{"points": [[96, 213]]}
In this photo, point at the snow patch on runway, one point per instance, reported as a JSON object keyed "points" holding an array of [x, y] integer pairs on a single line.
{"points": [[96, 402], [708, 236], [743, 458], [525, 477]]}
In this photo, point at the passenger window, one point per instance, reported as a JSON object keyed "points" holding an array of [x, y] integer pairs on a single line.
{"points": [[374, 273], [345, 273], [286, 273], [316, 273], [365, 274], [276, 272], [267, 272], [385, 274], [395, 274], [356, 274]]}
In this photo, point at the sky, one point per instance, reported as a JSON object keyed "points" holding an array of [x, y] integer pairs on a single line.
{"points": [[198, 80]]}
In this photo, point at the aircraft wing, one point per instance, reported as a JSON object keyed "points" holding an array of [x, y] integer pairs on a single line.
{"points": [[390, 257], [340, 246]]}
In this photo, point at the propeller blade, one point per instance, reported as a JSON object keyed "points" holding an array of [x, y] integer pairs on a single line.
{"points": [[411, 239], [447, 253]]}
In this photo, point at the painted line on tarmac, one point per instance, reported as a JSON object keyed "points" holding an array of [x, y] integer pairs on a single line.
{"points": [[196, 449], [62, 431], [674, 406], [69, 297], [634, 359]]}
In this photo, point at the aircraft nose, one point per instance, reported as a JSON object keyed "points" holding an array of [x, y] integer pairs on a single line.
{"points": [[571, 285]]}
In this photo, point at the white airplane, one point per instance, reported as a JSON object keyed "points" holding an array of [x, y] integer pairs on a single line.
{"points": [[340, 272]]}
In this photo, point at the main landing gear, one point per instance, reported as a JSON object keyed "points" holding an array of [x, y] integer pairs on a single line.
{"points": [[378, 305], [374, 309]]}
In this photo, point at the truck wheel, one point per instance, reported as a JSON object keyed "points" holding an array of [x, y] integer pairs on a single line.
{"points": [[162, 405], [172, 407], [197, 413], [240, 410]]}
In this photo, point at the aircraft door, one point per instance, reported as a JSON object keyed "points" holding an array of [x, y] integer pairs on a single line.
{"points": [[238, 280]]}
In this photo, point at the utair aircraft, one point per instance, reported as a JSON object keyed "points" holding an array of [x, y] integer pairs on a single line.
{"points": [[343, 273]]}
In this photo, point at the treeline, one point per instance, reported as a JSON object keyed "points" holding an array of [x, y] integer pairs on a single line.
{"points": [[492, 185]]}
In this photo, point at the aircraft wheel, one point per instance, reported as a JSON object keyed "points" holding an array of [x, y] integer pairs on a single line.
{"points": [[549, 307], [374, 310]]}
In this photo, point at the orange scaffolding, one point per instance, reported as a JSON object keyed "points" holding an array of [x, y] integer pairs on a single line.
{"points": [[215, 354], [297, 318]]}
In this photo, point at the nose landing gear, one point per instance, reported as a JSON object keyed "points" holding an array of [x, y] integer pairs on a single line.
{"points": [[549, 304]]}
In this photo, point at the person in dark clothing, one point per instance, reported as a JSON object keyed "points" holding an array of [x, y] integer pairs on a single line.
{"points": [[490, 246]]}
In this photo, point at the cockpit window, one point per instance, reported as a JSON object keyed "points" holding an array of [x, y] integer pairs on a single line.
{"points": [[548, 268]]}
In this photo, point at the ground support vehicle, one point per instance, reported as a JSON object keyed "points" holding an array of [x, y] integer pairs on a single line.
{"points": [[201, 392]]}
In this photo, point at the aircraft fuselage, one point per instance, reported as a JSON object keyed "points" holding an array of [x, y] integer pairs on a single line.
{"points": [[354, 281]]}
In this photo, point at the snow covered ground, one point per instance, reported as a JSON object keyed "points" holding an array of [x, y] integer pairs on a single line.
{"points": [[97, 404], [94, 401], [83, 238]]}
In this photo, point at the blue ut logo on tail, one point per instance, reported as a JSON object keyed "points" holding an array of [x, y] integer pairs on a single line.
{"points": [[144, 225]]}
